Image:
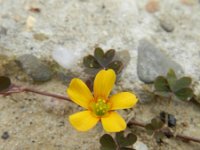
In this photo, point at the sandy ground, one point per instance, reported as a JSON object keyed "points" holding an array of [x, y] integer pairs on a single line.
{"points": [[32, 126]]}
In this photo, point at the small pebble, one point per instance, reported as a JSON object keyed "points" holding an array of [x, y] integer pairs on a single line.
{"points": [[34, 68], [171, 119], [166, 25], [40, 37], [3, 31], [188, 2], [30, 22], [140, 146], [5, 135], [152, 6]]}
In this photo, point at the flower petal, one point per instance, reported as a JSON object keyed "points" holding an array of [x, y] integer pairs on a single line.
{"points": [[103, 83], [83, 121], [113, 122], [122, 100], [79, 93]]}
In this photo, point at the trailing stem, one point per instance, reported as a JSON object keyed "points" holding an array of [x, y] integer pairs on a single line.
{"points": [[19, 89]]}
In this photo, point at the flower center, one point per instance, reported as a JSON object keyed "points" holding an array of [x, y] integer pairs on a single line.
{"points": [[100, 108]]}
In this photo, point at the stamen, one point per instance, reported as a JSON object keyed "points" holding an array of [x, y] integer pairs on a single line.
{"points": [[100, 108]]}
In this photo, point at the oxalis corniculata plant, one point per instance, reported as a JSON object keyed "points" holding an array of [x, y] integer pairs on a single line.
{"points": [[98, 107], [103, 60], [171, 87]]}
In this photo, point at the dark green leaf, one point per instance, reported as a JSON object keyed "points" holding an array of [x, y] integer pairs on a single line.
{"points": [[108, 57], [90, 62], [4, 83], [117, 66], [171, 78], [182, 83], [149, 128], [107, 142], [99, 55], [156, 123], [130, 139], [161, 84], [184, 94]]}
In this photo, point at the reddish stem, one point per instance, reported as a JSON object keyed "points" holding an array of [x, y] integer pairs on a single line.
{"points": [[19, 89], [179, 136]]}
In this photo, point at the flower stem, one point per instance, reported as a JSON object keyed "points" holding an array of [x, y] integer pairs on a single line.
{"points": [[19, 89]]}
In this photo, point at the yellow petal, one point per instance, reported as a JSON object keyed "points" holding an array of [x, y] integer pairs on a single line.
{"points": [[113, 122], [122, 100], [104, 82], [79, 93], [83, 121]]}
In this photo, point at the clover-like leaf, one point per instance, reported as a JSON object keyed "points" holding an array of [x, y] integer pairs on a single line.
{"points": [[184, 94], [149, 128], [116, 65], [4, 83], [156, 123], [171, 78], [107, 142], [109, 55], [161, 84], [99, 55], [90, 62], [182, 83], [123, 141]]}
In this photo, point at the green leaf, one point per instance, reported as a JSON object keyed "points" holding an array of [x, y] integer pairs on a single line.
{"points": [[184, 94], [157, 123], [182, 83], [171, 78], [108, 57], [99, 55], [161, 84], [4, 83], [149, 128], [107, 142], [90, 62], [116, 65], [130, 139]]}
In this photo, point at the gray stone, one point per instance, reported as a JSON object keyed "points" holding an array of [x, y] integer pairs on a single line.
{"points": [[34, 68], [153, 62], [167, 25], [3, 32]]}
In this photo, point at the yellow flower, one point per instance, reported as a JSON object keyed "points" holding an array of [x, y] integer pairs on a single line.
{"points": [[99, 107]]}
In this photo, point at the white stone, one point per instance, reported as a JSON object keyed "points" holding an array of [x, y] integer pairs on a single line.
{"points": [[65, 58], [140, 146]]}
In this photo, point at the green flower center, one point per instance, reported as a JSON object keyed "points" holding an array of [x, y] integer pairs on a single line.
{"points": [[100, 108]]}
